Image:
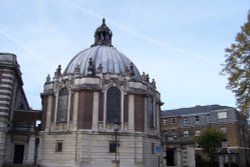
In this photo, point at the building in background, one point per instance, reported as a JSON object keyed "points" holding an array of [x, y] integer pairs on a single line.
{"points": [[180, 126], [18, 131]]}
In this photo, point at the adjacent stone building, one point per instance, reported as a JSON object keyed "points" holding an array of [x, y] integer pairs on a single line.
{"points": [[99, 87], [18, 131], [180, 126]]}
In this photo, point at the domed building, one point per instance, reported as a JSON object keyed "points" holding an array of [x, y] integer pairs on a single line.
{"points": [[101, 111]]}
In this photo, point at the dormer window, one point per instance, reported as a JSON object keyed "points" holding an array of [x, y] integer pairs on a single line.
{"points": [[222, 115]]}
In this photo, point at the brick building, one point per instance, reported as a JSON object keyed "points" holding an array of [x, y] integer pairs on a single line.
{"points": [[180, 126]]}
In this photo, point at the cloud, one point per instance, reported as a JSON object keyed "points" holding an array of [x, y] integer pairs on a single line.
{"points": [[153, 41]]}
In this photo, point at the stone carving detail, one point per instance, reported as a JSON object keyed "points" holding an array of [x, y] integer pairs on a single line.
{"points": [[100, 68], [58, 72], [48, 78], [77, 69], [91, 68]]}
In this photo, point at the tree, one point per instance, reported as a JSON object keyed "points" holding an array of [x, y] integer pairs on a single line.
{"points": [[210, 141], [237, 66]]}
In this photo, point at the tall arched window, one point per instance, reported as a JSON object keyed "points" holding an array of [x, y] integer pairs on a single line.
{"points": [[113, 104], [62, 108], [150, 112]]}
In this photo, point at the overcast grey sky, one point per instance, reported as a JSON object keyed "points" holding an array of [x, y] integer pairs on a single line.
{"points": [[179, 43]]}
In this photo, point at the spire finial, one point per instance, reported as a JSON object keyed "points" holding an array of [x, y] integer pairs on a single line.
{"points": [[103, 20]]}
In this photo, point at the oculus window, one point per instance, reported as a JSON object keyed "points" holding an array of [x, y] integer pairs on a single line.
{"points": [[222, 115]]}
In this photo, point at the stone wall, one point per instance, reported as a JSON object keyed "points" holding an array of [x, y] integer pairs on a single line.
{"points": [[91, 149]]}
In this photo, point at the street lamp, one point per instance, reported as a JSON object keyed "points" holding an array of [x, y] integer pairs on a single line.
{"points": [[116, 125]]}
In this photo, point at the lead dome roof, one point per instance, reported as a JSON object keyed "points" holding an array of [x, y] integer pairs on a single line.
{"points": [[102, 55]]}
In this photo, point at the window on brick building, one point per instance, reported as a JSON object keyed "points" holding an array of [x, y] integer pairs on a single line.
{"points": [[165, 122], [185, 133], [173, 132], [223, 130], [197, 132], [173, 120]]}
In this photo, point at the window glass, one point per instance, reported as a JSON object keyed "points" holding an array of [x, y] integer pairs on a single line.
{"points": [[223, 130], [185, 133], [173, 132], [150, 112], [207, 117], [173, 120], [197, 118], [113, 104], [59, 146], [222, 115], [197, 132], [185, 119], [62, 105], [112, 147]]}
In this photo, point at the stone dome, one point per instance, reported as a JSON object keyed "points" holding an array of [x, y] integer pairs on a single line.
{"points": [[102, 57]]}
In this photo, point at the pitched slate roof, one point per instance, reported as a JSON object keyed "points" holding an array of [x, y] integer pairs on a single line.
{"points": [[193, 110]]}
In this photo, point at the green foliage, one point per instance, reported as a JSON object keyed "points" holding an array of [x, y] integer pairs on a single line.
{"points": [[210, 141], [237, 66]]}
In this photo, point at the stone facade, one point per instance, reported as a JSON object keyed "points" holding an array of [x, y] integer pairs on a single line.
{"points": [[80, 105], [17, 120]]}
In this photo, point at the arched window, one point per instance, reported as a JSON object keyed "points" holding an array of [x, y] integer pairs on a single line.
{"points": [[62, 108], [150, 112], [113, 104]]}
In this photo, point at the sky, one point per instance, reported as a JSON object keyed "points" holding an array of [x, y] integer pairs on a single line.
{"points": [[179, 43]]}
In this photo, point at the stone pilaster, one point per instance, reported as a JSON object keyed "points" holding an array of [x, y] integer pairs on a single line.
{"points": [[95, 110], [131, 112]]}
